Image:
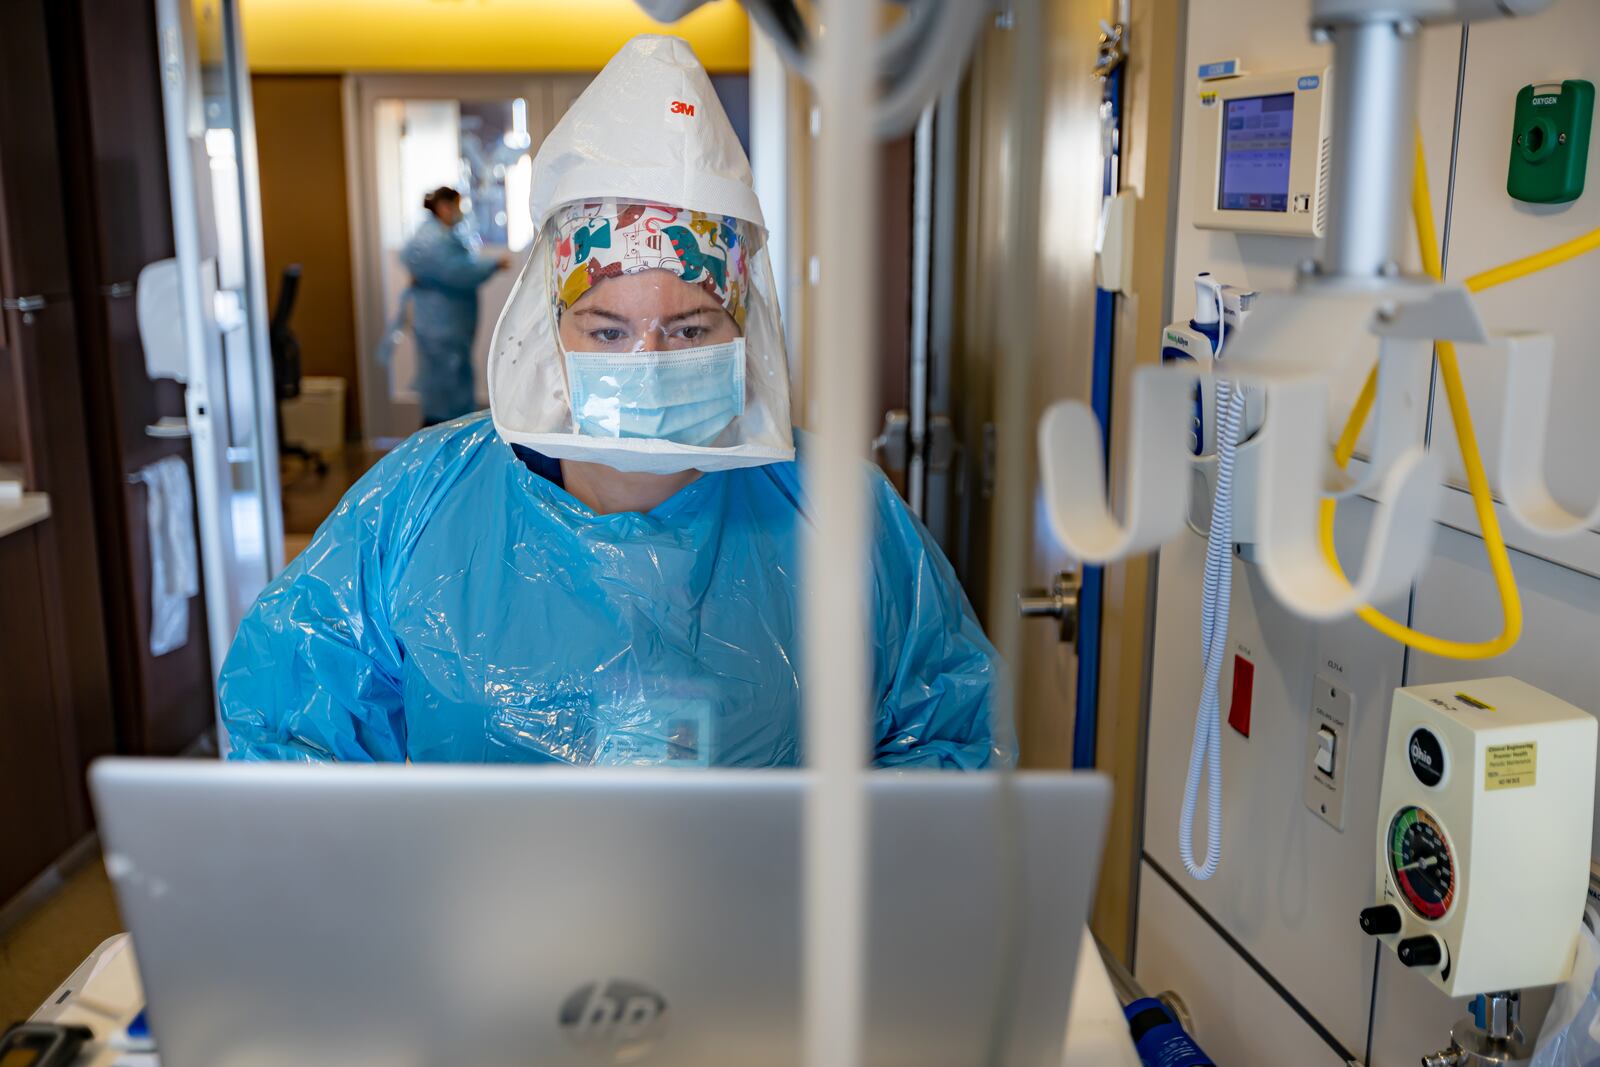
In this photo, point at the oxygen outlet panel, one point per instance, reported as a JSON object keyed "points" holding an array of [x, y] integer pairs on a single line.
{"points": [[1483, 834], [1550, 142]]}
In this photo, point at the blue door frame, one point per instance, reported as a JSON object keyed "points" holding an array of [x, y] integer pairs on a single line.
{"points": [[1091, 594]]}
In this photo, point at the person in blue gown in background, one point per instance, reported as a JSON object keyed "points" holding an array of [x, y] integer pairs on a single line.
{"points": [[445, 276], [605, 569]]}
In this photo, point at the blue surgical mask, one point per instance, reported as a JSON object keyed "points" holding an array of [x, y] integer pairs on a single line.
{"points": [[687, 397]]}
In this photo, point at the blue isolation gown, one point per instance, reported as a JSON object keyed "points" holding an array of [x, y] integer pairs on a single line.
{"points": [[445, 276], [458, 606]]}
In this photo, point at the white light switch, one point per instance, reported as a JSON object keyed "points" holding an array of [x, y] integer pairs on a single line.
{"points": [[1327, 751], [1327, 741]]}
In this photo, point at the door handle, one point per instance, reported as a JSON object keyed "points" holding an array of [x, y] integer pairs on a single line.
{"points": [[1059, 602], [892, 446]]}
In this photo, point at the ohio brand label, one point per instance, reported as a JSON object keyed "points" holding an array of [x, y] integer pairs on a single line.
{"points": [[1510, 766]]}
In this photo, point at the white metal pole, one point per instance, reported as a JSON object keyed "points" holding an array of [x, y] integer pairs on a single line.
{"points": [[769, 160], [255, 295], [837, 629]]}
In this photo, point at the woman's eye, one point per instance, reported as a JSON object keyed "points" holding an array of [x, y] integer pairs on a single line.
{"points": [[608, 335], [693, 333]]}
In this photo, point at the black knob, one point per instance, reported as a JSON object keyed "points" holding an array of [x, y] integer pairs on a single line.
{"points": [[1424, 951], [1382, 919]]}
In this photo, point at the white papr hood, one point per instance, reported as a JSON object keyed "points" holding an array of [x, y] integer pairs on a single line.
{"points": [[649, 128]]}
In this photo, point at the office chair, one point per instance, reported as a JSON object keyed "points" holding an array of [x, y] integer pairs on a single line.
{"points": [[286, 363]]}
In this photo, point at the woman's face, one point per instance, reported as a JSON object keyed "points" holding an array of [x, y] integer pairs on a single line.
{"points": [[449, 212], [651, 311]]}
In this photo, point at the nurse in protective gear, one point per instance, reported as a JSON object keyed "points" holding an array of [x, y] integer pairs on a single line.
{"points": [[445, 276], [606, 571]]}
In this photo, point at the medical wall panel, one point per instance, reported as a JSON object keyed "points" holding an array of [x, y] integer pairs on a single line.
{"points": [[1239, 1019], [1490, 228], [1557, 653], [1560, 595], [1290, 883]]}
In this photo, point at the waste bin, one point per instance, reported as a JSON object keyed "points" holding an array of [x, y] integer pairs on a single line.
{"points": [[314, 420]]}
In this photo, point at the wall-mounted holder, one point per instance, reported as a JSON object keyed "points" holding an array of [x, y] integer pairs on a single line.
{"points": [[1291, 348], [1550, 142], [1530, 377]]}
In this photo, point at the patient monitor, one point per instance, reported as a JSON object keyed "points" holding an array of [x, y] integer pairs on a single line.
{"points": [[1265, 148]]}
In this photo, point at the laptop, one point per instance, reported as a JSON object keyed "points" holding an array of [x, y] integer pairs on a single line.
{"points": [[415, 916]]}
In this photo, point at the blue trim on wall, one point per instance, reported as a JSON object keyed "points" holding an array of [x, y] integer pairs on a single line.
{"points": [[1091, 595]]}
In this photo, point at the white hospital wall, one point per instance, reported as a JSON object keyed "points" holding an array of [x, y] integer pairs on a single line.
{"points": [[1290, 886]]}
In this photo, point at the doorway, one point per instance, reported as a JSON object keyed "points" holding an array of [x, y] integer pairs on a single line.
{"points": [[476, 134]]}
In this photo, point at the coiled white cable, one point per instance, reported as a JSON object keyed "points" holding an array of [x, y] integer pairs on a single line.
{"points": [[1205, 756]]}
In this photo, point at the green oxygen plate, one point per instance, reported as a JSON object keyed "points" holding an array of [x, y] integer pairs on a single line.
{"points": [[1550, 142]]}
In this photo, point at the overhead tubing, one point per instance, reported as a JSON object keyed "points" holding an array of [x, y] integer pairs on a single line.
{"points": [[917, 57]]}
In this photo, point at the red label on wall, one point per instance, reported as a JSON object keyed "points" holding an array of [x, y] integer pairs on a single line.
{"points": [[1244, 680]]}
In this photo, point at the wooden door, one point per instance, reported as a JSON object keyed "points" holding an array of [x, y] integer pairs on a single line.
{"points": [[115, 172]]}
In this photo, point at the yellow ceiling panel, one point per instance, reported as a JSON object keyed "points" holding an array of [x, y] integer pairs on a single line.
{"points": [[305, 36]]}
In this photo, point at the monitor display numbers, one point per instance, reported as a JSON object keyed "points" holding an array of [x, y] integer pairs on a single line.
{"points": [[1257, 135]]}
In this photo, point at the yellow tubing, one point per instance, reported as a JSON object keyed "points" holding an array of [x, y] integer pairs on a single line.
{"points": [[1466, 438], [1550, 257]]}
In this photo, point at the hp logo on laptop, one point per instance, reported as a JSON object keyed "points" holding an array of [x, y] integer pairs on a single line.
{"points": [[618, 1021]]}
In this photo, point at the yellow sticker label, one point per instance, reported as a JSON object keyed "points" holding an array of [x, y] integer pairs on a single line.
{"points": [[1510, 766], [1208, 99]]}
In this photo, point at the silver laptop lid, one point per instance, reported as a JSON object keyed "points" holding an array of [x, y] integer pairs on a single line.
{"points": [[360, 915]]}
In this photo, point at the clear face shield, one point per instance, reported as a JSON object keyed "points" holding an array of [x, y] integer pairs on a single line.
{"points": [[664, 349], [650, 306]]}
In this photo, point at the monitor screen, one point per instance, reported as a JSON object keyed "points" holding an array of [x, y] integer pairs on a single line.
{"points": [[1257, 132]]}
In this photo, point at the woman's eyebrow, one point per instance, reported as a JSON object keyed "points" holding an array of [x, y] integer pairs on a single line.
{"points": [[609, 316], [673, 320]]}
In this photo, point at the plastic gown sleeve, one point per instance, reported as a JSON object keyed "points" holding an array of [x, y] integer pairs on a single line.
{"points": [[937, 675], [441, 261], [314, 672]]}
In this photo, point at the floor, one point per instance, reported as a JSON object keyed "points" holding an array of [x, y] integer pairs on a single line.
{"points": [[42, 949], [309, 495]]}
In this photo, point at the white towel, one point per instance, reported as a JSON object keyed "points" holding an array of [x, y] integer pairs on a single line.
{"points": [[174, 556]]}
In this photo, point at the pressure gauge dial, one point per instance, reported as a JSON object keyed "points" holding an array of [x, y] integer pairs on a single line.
{"points": [[1420, 861]]}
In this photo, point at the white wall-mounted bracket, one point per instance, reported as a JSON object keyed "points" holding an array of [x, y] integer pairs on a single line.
{"points": [[1292, 347], [1530, 377], [1072, 459], [1288, 548], [1405, 370]]}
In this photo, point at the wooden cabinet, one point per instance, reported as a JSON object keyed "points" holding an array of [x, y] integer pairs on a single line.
{"points": [[34, 819], [53, 599], [114, 168], [83, 206]]}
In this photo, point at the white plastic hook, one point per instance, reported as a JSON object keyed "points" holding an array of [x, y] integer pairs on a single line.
{"points": [[1530, 376], [1400, 417], [1293, 450], [1072, 459], [1300, 334]]}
